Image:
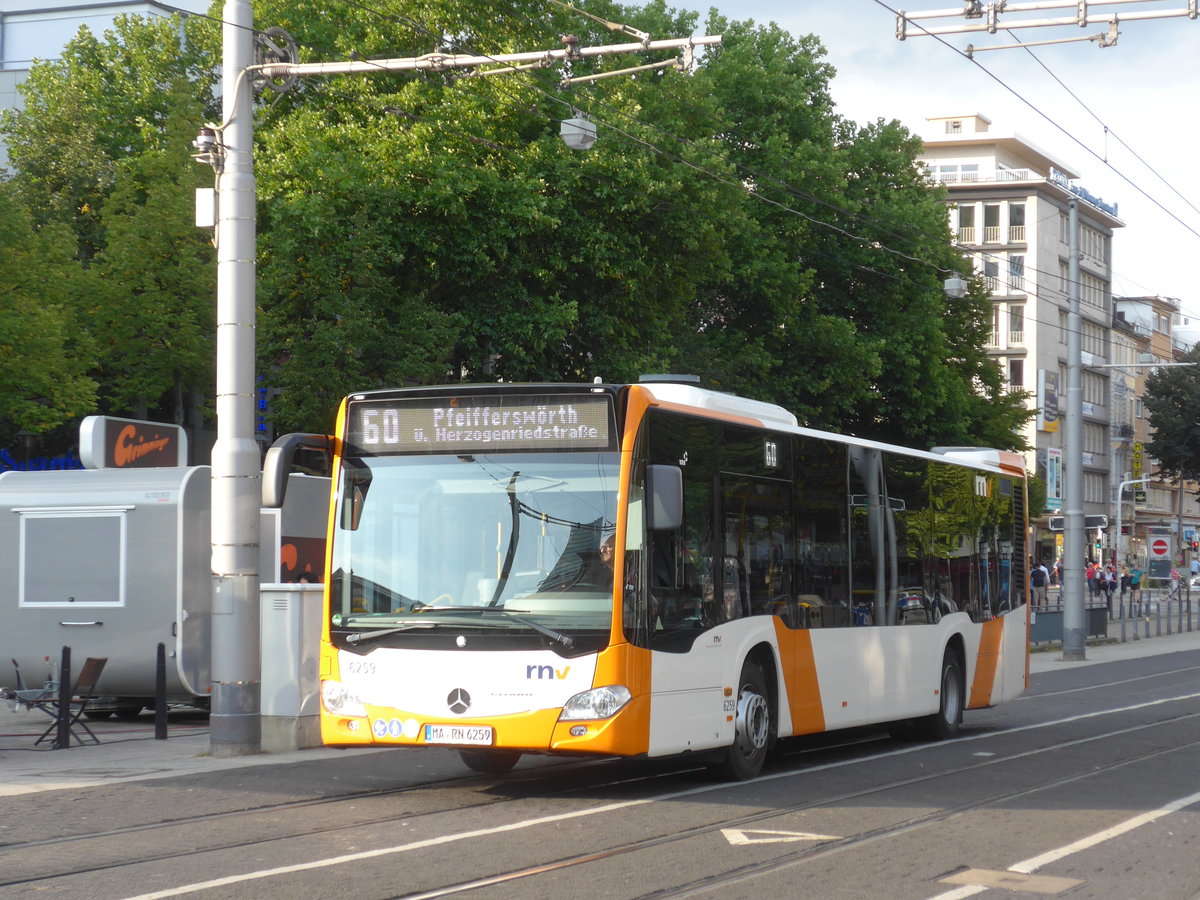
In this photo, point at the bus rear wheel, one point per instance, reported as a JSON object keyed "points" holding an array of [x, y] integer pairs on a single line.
{"points": [[490, 762], [947, 721], [744, 758]]}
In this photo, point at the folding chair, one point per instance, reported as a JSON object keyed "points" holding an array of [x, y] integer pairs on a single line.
{"points": [[24, 697], [77, 703]]}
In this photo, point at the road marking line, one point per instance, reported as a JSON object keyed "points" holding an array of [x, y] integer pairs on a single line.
{"points": [[742, 836], [1036, 862], [981, 880], [1013, 881]]}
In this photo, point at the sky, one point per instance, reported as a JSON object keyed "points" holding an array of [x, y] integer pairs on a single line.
{"points": [[1124, 117]]}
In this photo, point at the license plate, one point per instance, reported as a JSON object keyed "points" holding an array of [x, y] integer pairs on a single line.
{"points": [[458, 734]]}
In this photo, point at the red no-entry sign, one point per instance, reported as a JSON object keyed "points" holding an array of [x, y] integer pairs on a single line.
{"points": [[1159, 547]]}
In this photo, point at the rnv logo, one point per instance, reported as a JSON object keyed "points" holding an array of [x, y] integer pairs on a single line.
{"points": [[541, 672]]}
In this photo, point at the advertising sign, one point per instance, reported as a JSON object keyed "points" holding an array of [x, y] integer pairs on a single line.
{"points": [[106, 442], [1054, 478], [1047, 400]]}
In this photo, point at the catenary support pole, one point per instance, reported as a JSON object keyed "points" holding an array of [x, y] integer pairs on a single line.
{"points": [[1073, 520], [235, 727]]}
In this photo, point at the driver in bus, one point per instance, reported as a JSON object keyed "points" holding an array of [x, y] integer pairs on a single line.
{"points": [[600, 570]]}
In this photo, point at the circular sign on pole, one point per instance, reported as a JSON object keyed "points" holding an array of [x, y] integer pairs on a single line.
{"points": [[1159, 547]]}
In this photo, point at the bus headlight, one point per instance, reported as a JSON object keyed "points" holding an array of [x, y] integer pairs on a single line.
{"points": [[338, 700], [598, 703]]}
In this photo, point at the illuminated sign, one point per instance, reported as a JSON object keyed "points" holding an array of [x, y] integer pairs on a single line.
{"points": [[106, 442], [487, 423]]}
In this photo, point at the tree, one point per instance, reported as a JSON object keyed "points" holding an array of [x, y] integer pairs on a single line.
{"points": [[42, 381], [1173, 408], [101, 149]]}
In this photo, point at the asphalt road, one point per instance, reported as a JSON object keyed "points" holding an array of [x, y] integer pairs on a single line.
{"points": [[1087, 787]]}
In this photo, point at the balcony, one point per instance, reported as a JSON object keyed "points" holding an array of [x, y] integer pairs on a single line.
{"points": [[1016, 234], [1002, 175], [966, 235], [1016, 339], [991, 234]]}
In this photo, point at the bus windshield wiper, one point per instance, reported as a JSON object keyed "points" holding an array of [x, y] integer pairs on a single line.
{"points": [[565, 639], [358, 637]]}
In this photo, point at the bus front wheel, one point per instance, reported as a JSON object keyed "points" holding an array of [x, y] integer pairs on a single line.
{"points": [[752, 727], [490, 762]]}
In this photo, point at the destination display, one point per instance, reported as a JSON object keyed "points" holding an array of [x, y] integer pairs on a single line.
{"points": [[476, 424]]}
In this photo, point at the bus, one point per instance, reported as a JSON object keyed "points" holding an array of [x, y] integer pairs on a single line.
{"points": [[652, 569]]}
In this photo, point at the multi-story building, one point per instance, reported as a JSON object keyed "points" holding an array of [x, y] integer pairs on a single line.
{"points": [[1009, 208], [1161, 503]]}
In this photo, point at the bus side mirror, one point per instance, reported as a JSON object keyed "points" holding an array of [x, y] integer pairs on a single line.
{"points": [[278, 463], [664, 493]]}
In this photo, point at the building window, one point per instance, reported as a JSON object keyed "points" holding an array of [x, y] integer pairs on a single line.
{"points": [[1094, 388], [954, 126], [1093, 488], [1016, 325], [1016, 223], [1016, 272], [991, 223], [991, 274], [1016, 374], [966, 223], [1092, 290], [1094, 339]]}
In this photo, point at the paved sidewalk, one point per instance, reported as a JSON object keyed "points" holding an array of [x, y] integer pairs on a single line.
{"points": [[128, 750], [1048, 658]]}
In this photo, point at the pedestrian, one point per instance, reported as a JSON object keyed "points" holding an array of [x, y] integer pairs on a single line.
{"points": [[1039, 577], [1110, 585], [1057, 575], [1126, 580], [1093, 584], [1135, 589]]}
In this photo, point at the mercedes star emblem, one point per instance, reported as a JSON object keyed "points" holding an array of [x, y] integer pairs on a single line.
{"points": [[459, 701]]}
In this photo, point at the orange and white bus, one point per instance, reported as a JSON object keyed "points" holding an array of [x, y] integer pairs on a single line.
{"points": [[651, 569]]}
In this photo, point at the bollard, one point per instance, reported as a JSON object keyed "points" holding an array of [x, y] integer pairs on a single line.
{"points": [[1123, 611], [62, 737], [1168, 616], [160, 694]]}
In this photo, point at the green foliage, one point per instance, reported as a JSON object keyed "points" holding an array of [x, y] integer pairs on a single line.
{"points": [[415, 228], [101, 153], [42, 381], [1173, 406]]}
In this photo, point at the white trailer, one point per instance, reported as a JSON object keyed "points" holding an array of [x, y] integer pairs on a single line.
{"points": [[113, 562]]}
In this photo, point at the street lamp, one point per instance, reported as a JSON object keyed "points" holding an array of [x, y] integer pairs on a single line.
{"points": [[955, 287], [578, 132]]}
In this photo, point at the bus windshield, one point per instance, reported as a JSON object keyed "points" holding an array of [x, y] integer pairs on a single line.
{"points": [[503, 551]]}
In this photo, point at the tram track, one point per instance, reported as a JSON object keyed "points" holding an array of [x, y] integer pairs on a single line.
{"points": [[819, 759], [827, 848]]}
